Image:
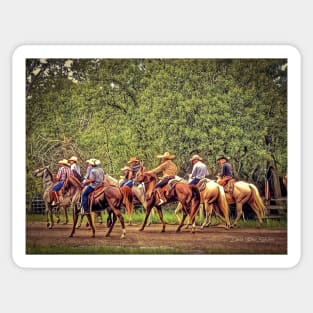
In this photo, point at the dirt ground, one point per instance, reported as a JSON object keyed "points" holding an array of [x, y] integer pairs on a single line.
{"points": [[212, 240]]}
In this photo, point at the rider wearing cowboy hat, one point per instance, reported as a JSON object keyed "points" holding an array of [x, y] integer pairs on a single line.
{"points": [[199, 170], [126, 181], [227, 172], [169, 170], [75, 169], [63, 173], [135, 166], [95, 180]]}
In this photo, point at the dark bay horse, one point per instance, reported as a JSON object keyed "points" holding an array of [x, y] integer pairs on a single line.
{"points": [[47, 183], [187, 195], [107, 197]]}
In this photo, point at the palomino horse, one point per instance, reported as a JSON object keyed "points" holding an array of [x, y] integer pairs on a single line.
{"points": [[244, 192], [187, 195], [110, 198], [212, 196], [47, 183]]}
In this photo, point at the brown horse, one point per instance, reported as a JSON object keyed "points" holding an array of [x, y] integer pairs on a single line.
{"points": [[213, 197], [187, 195], [107, 197], [47, 184], [109, 180], [246, 193]]}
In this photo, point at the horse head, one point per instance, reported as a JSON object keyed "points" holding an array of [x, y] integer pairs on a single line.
{"points": [[40, 171]]}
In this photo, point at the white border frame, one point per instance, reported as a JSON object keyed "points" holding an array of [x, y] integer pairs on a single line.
{"points": [[155, 261]]}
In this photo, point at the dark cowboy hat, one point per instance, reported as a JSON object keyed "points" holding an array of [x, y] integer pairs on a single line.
{"points": [[132, 159], [222, 157]]}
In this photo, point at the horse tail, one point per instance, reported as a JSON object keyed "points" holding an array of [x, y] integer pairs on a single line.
{"points": [[222, 202], [127, 199], [256, 198]]}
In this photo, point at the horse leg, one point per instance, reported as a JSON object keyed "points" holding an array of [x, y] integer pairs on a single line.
{"points": [[182, 221], [76, 212], [208, 215], [50, 215], [238, 213], [65, 214], [177, 210], [256, 210], [121, 218], [111, 226], [148, 211], [57, 214], [90, 217], [161, 218]]}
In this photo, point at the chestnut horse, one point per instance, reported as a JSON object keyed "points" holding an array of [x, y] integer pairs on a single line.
{"points": [[47, 184], [246, 193], [106, 197], [187, 195]]}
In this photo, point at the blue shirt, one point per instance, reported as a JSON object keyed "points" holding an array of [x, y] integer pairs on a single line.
{"points": [[97, 174], [226, 170], [199, 170]]}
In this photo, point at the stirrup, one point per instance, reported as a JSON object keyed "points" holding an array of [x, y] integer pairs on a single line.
{"points": [[161, 201]]}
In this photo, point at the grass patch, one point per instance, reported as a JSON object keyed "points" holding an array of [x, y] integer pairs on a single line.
{"points": [[35, 249], [169, 217]]}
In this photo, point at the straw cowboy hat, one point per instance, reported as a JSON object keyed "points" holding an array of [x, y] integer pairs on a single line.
{"points": [[196, 157], [64, 161], [125, 168], [73, 158], [97, 162], [222, 157], [166, 155], [93, 161], [132, 159]]}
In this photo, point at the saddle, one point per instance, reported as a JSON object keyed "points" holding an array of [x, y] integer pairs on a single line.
{"points": [[229, 186], [170, 186]]}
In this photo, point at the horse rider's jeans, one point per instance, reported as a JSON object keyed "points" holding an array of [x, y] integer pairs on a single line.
{"points": [[85, 194]]}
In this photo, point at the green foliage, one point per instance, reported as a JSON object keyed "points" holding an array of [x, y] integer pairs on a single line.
{"points": [[113, 109]]}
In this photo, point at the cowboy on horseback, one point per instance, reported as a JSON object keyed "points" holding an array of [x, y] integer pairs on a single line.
{"points": [[199, 170], [63, 173], [227, 172], [75, 169], [94, 180], [125, 180], [169, 170]]}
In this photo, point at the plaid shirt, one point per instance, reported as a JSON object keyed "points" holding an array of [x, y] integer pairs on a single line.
{"points": [[63, 173]]}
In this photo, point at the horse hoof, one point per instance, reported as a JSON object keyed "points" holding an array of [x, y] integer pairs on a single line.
{"points": [[140, 229]]}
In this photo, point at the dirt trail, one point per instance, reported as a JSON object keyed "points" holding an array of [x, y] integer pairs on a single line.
{"points": [[210, 240]]}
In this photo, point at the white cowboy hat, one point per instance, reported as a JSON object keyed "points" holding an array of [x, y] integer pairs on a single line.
{"points": [[196, 157], [97, 162], [166, 155], [92, 161], [64, 161], [73, 158]]}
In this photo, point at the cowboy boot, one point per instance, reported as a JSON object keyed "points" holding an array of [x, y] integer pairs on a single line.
{"points": [[162, 199], [56, 197]]}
